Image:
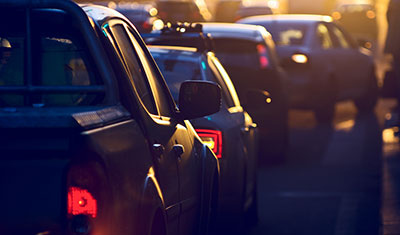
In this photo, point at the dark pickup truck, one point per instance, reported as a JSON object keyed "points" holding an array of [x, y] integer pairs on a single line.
{"points": [[91, 141]]}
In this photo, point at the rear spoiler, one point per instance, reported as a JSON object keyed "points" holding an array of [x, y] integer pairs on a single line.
{"points": [[89, 36]]}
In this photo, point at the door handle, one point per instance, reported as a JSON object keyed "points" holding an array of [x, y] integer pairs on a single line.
{"points": [[178, 149], [158, 149]]}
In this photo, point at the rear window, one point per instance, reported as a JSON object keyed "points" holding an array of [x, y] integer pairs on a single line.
{"points": [[237, 53], [286, 34], [61, 71], [177, 71]]}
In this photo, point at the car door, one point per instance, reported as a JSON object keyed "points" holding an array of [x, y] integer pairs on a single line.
{"points": [[350, 61], [244, 124], [323, 61], [180, 145], [160, 133]]}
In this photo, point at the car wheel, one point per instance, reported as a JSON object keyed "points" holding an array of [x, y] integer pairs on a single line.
{"points": [[325, 111], [367, 102]]}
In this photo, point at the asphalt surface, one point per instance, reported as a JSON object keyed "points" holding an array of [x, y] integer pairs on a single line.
{"points": [[331, 182]]}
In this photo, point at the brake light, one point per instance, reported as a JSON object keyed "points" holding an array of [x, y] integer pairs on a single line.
{"points": [[146, 25], [300, 58], [81, 201], [262, 55], [212, 139]]}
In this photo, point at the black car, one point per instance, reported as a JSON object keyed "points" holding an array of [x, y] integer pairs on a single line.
{"points": [[230, 133], [248, 54], [91, 139]]}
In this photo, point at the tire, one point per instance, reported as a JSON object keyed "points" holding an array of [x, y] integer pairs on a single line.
{"points": [[366, 103]]}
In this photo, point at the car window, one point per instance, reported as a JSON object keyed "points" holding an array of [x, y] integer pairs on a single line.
{"points": [[60, 61], [222, 78], [162, 97], [237, 52], [135, 69], [339, 37], [176, 71], [323, 37], [285, 34]]}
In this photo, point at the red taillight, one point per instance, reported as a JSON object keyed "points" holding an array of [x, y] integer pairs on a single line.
{"points": [[212, 139], [81, 201], [146, 25], [262, 55]]}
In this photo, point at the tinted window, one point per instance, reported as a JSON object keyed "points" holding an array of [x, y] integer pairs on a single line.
{"points": [[222, 78], [134, 67], [177, 71], [162, 98], [237, 53]]}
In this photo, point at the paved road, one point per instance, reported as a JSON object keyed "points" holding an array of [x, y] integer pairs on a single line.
{"points": [[331, 181]]}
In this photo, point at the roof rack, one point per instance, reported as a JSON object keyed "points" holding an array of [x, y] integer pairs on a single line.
{"points": [[181, 34]]}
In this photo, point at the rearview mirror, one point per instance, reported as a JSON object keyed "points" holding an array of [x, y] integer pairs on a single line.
{"points": [[198, 99]]}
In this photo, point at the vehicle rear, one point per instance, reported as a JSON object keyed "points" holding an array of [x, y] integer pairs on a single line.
{"points": [[224, 132], [50, 93], [248, 55], [292, 39]]}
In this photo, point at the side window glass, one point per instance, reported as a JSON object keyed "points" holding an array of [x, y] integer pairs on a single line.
{"points": [[225, 82], [163, 99], [341, 40], [137, 73], [323, 37]]}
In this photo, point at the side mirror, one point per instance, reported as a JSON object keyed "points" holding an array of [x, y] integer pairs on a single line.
{"points": [[257, 98], [198, 99]]}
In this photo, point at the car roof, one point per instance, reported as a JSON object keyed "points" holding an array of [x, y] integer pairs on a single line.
{"points": [[231, 30], [289, 18], [176, 52], [101, 13]]}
